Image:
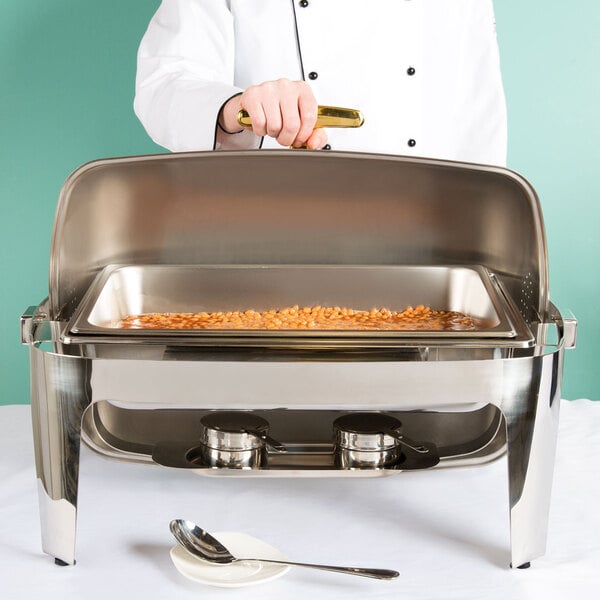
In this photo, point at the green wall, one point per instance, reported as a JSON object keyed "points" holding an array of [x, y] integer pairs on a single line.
{"points": [[549, 53], [66, 86]]}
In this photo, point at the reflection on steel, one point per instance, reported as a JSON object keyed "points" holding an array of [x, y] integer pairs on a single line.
{"points": [[139, 399]]}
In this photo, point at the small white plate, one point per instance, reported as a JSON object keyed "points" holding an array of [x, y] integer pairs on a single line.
{"points": [[237, 574]]}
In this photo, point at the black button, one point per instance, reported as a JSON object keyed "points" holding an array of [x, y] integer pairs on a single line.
{"points": [[303, 3], [313, 75], [326, 147], [412, 142], [411, 70]]}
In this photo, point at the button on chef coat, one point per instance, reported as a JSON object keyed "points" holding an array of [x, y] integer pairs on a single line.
{"points": [[425, 73]]}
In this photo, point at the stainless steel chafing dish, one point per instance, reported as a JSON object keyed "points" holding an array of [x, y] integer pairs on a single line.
{"points": [[233, 231]]}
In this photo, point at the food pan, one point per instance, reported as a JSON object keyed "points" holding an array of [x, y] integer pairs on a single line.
{"points": [[123, 290]]}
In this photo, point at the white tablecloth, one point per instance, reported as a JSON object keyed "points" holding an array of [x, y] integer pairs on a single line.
{"points": [[446, 532]]}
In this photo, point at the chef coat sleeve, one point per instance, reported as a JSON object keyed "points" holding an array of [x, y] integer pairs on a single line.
{"points": [[185, 73]]}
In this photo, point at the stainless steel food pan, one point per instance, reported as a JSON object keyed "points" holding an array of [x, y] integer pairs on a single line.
{"points": [[121, 291]]}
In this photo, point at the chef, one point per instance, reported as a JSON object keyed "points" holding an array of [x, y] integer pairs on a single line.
{"points": [[425, 74]]}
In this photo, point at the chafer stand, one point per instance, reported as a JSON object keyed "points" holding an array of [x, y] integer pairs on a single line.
{"points": [[70, 374]]}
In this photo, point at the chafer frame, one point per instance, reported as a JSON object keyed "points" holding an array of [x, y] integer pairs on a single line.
{"points": [[375, 210]]}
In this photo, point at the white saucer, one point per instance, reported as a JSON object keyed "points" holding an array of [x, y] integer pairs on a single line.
{"points": [[237, 574]]}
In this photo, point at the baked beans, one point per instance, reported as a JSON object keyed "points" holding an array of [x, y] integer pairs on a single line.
{"points": [[419, 318]]}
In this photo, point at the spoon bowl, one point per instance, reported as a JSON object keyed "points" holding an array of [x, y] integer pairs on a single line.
{"points": [[201, 544]]}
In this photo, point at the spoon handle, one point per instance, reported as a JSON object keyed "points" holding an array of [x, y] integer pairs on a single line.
{"points": [[374, 573]]}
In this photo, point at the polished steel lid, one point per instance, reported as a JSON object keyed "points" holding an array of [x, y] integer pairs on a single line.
{"points": [[120, 211], [366, 431], [233, 430], [235, 422]]}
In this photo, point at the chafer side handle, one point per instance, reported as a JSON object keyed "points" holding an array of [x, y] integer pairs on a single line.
{"points": [[26, 325], [36, 328], [327, 116], [567, 327], [569, 331]]}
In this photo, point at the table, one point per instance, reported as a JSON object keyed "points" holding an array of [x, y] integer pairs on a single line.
{"points": [[447, 532]]}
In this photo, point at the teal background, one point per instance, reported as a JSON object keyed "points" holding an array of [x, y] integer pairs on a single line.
{"points": [[67, 71]]}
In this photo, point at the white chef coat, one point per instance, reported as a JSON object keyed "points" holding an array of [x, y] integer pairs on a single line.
{"points": [[425, 73]]}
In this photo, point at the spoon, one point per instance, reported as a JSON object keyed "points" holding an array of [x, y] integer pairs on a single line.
{"points": [[201, 544]]}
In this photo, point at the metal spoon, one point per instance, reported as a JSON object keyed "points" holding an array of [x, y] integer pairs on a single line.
{"points": [[200, 543]]}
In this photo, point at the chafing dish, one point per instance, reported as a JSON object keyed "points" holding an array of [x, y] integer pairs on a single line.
{"points": [[240, 230]]}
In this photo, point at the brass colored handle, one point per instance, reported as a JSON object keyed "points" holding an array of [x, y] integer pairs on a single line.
{"points": [[327, 116]]}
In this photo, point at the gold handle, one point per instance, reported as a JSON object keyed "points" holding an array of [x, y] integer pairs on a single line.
{"points": [[327, 116]]}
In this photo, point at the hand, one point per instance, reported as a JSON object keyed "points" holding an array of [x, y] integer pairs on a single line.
{"points": [[283, 109]]}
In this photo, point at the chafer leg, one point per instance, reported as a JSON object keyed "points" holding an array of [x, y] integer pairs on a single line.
{"points": [[59, 395], [531, 414]]}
